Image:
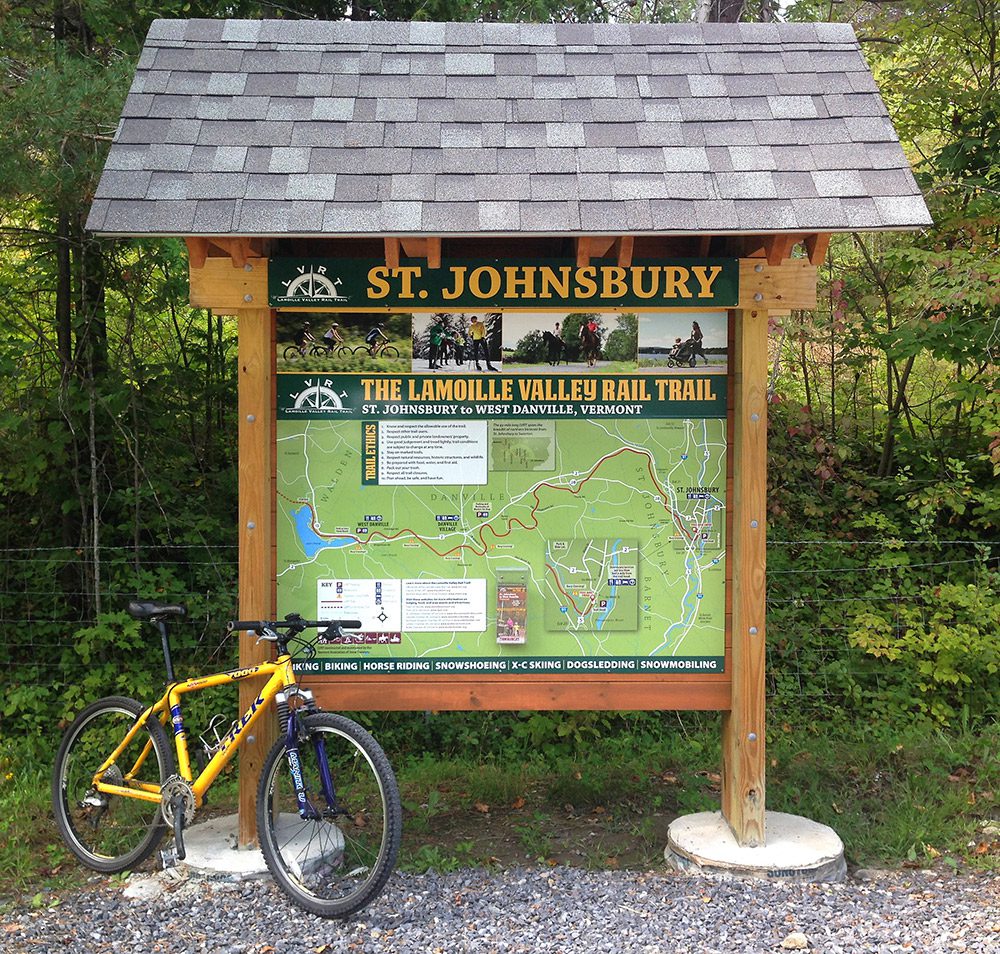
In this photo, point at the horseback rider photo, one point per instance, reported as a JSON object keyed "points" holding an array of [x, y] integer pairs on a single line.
{"points": [[590, 341]]}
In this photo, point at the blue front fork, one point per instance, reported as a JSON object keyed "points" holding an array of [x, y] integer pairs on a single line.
{"points": [[306, 808]]}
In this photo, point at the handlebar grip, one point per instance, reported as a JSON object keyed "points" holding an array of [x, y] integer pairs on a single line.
{"points": [[342, 623], [244, 626]]}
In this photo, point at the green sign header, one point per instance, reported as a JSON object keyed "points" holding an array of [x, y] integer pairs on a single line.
{"points": [[358, 284], [470, 397]]}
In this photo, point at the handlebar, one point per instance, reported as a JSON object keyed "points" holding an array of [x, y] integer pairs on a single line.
{"points": [[293, 623]]}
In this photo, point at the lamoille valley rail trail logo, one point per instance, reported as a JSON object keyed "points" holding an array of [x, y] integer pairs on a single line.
{"points": [[316, 398], [310, 285]]}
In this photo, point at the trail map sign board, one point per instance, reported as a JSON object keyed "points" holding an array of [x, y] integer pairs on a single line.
{"points": [[488, 496]]}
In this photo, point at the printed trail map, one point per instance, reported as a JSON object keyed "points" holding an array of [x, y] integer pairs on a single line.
{"points": [[522, 536]]}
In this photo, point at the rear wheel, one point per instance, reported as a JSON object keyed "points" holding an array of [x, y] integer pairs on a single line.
{"points": [[338, 863], [110, 833], [292, 353]]}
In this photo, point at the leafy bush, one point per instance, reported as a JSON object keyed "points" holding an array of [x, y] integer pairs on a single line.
{"points": [[944, 648]]}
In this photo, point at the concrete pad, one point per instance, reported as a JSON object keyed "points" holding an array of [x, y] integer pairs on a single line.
{"points": [[797, 849], [212, 851]]}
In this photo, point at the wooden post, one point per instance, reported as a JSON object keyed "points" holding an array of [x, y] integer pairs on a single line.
{"points": [[743, 725], [256, 594]]}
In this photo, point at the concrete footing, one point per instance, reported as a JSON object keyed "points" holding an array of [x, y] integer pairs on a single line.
{"points": [[797, 849], [211, 848]]}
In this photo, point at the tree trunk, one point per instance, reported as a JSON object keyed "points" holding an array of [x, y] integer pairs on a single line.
{"points": [[723, 11], [64, 294], [889, 445]]}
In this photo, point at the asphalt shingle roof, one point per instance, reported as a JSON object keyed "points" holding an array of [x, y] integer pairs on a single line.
{"points": [[298, 127]]}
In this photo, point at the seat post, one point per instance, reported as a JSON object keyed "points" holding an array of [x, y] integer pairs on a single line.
{"points": [[162, 627]]}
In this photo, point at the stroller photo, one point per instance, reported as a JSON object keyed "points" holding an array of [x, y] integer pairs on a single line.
{"points": [[683, 352]]}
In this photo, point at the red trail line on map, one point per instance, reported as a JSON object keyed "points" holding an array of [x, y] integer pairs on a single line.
{"points": [[511, 523]]}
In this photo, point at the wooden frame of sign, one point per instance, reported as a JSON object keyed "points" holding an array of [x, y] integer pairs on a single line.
{"points": [[229, 276]]}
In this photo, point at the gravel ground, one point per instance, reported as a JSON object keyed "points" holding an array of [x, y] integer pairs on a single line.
{"points": [[528, 910]]}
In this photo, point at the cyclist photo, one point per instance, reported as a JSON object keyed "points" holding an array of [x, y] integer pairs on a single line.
{"points": [[343, 342], [372, 339]]}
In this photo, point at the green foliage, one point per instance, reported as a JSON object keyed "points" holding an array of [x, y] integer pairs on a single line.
{"points": [[531, 349], [944, 645], [623, 342]]}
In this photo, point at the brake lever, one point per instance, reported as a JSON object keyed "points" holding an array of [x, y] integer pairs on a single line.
{"points": [[267, 636], [331, 633]]}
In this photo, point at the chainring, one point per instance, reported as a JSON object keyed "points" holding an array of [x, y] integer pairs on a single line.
{"points": [[169, 791]]}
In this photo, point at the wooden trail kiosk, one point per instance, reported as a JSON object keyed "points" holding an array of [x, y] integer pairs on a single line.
{"points": [[541, 483]]}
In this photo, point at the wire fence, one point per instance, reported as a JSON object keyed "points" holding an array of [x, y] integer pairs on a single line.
{"points": [[818, 591]]}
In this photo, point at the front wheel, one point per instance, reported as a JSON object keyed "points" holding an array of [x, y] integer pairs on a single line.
{"points": [[110, 833], [389, 351], [339, 862]]}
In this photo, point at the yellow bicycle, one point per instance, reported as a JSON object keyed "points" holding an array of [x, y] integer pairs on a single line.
{"points": [[329, 818]]}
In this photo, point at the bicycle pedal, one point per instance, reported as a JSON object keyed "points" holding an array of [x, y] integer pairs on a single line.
{"points": [[168, 857]]}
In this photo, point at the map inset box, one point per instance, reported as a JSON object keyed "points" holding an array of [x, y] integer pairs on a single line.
{"points": [[593, 585]]}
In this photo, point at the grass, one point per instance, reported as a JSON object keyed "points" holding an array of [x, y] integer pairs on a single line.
{"points": [[33, 859], [918, 795], [897, 796]]}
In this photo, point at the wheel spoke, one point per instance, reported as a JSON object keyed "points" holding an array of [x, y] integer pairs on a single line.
{"points": [[109, 832], [335, 865]]}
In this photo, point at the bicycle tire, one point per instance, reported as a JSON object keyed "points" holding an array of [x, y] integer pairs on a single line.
{"points": [[320, 351], [335, 866], [109, 833], [389, 351], [292, 353]]}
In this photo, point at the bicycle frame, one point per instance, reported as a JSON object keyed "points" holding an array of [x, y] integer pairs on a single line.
{"points": [[168, 709]]}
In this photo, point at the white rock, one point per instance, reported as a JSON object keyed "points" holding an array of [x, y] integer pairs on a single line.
{"points": [[796, 941], [143, 889]]}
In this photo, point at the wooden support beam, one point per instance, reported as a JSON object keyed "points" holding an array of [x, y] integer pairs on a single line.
{"points": [[743, 768], [704, 245], [594, 246], [789, 285], [217, 285], [239, 249], [255, 327], [392, 247], [428, 247], [705, 692], [816, 247], [624, 246], [197, 250], [779, 247]]}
